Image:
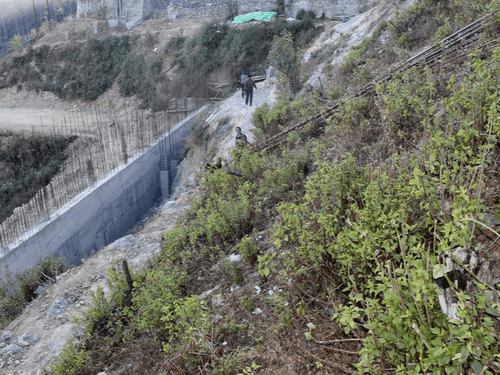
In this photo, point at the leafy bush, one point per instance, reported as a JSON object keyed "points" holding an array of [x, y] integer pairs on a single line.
{"points": [[73, 360], [231, 12], [16, 44], [282, 54], [270, 121], [280, 7], [138, 78], [220, 47], [70, 72], [176, 43], [198, 131], [16, 293], [248, 249], [33, 162], [303, 14]]}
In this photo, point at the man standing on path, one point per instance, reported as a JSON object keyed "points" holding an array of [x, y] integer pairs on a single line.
{"points": [[243, 78], [249, 86]]}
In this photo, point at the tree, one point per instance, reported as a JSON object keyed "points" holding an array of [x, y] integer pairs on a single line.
{"points": [[282, 54], [16, 43], [34, 16], [59, 5], [48, 16], [280, 7], [231, 12], [283, 57]]}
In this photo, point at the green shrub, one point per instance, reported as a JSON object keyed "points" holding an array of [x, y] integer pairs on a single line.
{"points": [[270, 121], [198, 130], [280, 7], [231, 12], [282, 55], [303, 14], [33, 161], [74, 360], [16, 44], [157, 289], [138, 78], [248, 249], [176, 43], [133, 74], [16, 293]]}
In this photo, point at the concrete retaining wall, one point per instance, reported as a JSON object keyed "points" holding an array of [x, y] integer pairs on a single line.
{"points": [[105, 212]]}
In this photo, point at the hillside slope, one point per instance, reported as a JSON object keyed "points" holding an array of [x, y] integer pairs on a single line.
{"points": [[366, 243]]}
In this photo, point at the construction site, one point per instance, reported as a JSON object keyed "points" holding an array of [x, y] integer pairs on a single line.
{"points": [[355, 231]]}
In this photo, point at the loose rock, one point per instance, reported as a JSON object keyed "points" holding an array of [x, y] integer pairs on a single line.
{"points": [[57, 307], [12, 349], [6, 337], [23, 343]]}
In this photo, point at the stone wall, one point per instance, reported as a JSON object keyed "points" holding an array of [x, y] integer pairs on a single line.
{"points": [[132, 9]]}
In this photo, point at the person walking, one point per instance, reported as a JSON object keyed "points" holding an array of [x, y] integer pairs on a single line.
{"points": [[243, 78], [249, 86]]}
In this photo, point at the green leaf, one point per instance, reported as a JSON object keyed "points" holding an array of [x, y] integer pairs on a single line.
{"points": [[465, 352], [266, 271], [492, 311], [476, 367], [435, 330]]}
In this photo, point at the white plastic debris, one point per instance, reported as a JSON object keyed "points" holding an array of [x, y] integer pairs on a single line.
{"points": [[257, 311]]}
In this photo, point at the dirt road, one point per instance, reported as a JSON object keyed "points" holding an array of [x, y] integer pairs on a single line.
{"points": [[45, 121]]}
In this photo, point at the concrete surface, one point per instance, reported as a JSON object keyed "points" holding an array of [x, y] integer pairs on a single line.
{"points": [[105, 212]]}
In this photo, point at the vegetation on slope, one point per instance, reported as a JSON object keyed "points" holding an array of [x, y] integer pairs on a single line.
{"points": [[86, 71], [220, 47], [17, 292], [69, 72], [27, 165], [358, 209]]}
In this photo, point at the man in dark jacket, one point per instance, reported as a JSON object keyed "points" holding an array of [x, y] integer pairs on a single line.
{"points": [[241, 139], [249, 86]]}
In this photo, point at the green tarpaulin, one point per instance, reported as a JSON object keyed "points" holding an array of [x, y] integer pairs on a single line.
{"points": [[259, 16]]}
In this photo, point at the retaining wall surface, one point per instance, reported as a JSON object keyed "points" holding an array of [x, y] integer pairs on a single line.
{"points": [[106, 212]]}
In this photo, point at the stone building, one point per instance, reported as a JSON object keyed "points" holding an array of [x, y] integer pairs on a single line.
{"points": [[131, 11]]}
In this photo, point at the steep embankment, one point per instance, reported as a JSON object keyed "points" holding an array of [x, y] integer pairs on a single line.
{"points": [[348, 248], [49, 316]]}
